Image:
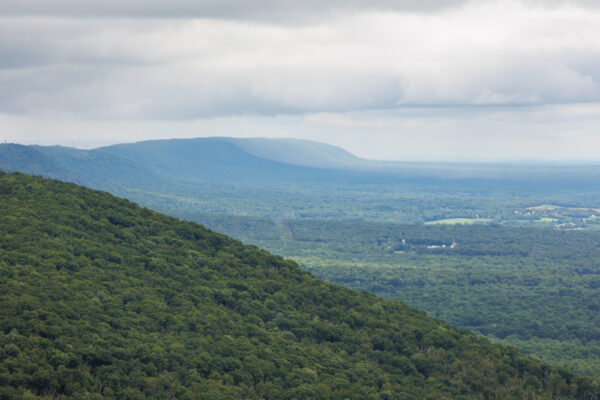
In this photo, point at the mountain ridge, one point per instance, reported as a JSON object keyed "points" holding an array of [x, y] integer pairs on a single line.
{"points": [[306, 153], [301, 156]]}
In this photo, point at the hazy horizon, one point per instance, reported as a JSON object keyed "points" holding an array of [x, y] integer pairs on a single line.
{"points": [[91, 145]]}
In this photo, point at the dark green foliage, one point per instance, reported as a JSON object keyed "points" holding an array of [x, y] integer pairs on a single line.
{"points": [[538, 289], [102, 299]]}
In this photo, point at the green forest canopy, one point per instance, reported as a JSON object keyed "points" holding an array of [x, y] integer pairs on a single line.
{"points": [[103, 299], [537, 289]]}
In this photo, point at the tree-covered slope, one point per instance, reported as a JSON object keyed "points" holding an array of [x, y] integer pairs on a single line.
{"points": [[100, 298], [92, 168], [538, 289]]}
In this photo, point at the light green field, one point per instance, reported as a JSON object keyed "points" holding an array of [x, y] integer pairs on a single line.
{"points": [[547, 219], [454, 221]]}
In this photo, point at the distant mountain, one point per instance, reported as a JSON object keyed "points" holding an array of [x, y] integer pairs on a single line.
{"points": [[16, 157], [93, 167], [265, 160], [302, 152], [210, 159], [101, 299], [151, 163]]}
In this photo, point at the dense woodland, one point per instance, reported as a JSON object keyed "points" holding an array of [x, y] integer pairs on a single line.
{"points": [[538, 289], [100, 298]]}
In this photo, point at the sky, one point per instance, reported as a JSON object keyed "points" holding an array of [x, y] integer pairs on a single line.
{"points": [[453, 80]]}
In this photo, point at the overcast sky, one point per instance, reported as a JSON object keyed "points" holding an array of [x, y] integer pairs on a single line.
{"points": [[404, 80]]}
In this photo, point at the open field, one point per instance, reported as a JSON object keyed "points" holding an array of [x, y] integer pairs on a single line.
{"points": [[454, 221]]}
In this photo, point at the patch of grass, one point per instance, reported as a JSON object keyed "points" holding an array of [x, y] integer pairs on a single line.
{"points": [[454, 221], [547, 219]]}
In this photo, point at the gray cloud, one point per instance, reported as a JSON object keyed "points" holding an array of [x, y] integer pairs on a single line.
{"points": [[269, 10], [196, 68], [274, 11]]}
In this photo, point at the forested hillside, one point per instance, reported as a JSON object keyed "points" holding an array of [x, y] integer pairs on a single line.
{"points": [[538, 289], [100, 298]]}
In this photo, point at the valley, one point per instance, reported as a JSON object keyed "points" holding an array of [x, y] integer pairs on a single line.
{"points": [[103, 299]]}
